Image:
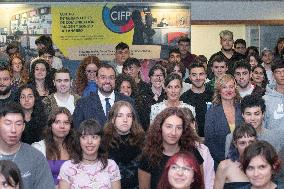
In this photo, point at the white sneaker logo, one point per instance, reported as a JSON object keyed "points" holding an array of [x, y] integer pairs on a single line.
{"points": [[279, 112]]}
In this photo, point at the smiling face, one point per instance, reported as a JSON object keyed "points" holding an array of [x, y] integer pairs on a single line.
{"points": [[106, 80], [62, 82], [133, 71], [27, 99], [172, 130], [197, 76], [228, 90], [254, 116], [174, 57], [90, 145], [123, 120], [180, 175], [173, 90], [267, 57], [157, 79], [61, 126], [259, 172]]}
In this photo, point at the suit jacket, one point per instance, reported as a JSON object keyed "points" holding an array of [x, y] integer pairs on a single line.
{"points": [[91, 107], [216, 129]]}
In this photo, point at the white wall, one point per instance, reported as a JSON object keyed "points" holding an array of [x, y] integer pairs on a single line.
{"points": [[205, 38], [237, 10]]}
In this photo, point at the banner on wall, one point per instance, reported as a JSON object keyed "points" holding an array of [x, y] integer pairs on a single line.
{"points": [[82, 29], [95, 29]]}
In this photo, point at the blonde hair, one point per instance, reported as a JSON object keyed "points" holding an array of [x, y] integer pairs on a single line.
{"points": [[218, 86]]}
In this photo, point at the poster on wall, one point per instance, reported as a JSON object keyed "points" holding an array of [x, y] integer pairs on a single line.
{"points": [[96, 29], [82, 29]]}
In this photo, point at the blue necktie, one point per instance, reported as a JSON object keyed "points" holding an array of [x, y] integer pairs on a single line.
{"points": [[108, 106]]}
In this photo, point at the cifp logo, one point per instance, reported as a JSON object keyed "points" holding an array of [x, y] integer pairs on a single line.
{"points": [[117, 19]]}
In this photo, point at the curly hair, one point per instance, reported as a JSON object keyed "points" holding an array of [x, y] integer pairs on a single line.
{"points": [[112, 138], [188, 159], [265, 81], [48, 83], [122, 77], [221, 83], [153, 149], [90, 127], [52, 150], [38, 117], [24, 76], [81, 77], [171, 68]]}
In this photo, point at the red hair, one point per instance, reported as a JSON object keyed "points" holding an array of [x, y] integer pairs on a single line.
{"points": [[189, 159]]}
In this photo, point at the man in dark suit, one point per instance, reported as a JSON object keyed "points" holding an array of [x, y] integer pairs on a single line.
{"points": [[98, 104]]}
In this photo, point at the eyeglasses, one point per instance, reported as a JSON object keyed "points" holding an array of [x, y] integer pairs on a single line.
{"points": [[178, 168]]}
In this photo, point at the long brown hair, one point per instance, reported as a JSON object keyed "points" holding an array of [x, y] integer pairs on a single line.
{"points": [[24, 73], [81, 77], [153, 149], [52, 150], [112, 138]]}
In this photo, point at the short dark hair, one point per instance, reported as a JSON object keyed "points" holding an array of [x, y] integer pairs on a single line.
{"points": [[184, 39], [121, 46], [131, 61], [49, 50], [240, 41], [4, 68], [277, 65], [251, 101], [196, 65], [218, 58], [174, 50], [157, 67], [242, 64], [245, 129], [45, 40], [171, 68], [12, 45], [264, 149], [107, 66], [62, 70], [13, 108]]}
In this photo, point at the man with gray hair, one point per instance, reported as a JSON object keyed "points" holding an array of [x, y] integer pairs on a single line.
{"points": [[231, 56]]}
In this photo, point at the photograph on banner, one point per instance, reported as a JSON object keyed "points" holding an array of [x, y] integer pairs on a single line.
{"points": [[82, 29]]}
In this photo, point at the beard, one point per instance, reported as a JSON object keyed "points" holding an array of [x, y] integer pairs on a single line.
{"points": [[6, 91]]}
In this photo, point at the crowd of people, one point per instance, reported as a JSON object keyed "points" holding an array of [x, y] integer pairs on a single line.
{"points": [[183, 123]]}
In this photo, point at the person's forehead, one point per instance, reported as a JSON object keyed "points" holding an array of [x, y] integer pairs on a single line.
{"points": [[62, 76], [197, 70], [175, 54], [122, 50], [240, 44], [13, 117], [252, 109], [106, 71], [219, 63], [4, 73], [241, 69], [183, 43], [227, 37]]}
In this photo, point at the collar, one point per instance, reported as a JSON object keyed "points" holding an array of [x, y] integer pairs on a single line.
{"points": [[102, 97]]}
